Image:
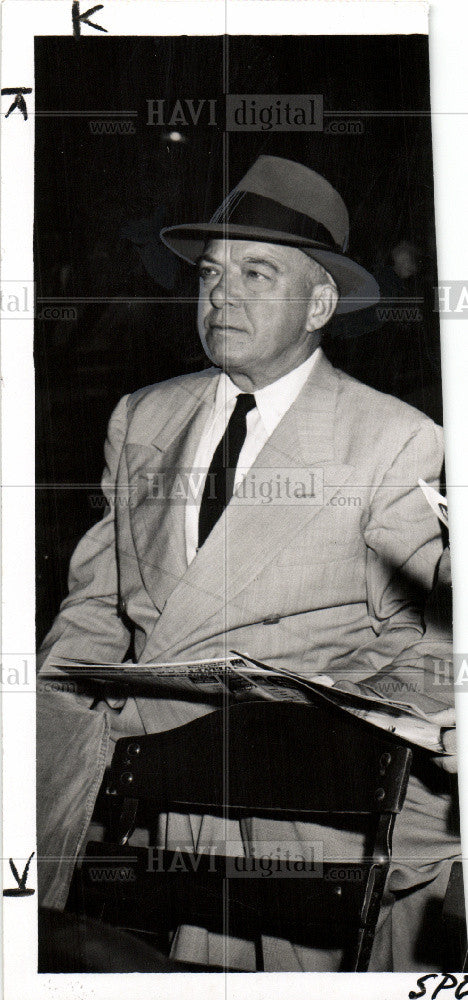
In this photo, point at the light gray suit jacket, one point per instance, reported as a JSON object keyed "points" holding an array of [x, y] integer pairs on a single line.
{"points": [[332, 581], [330, 577]]}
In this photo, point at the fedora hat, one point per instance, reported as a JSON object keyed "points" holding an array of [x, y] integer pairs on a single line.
{"points": [[284, 202]]}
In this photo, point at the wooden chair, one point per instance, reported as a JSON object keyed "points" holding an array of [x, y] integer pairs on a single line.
{"points": [[283, 760]]}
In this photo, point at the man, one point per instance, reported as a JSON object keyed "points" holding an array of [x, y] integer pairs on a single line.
{"points": [[307, 582]]}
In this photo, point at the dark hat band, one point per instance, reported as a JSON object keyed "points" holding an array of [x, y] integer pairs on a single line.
{"points": [[256, 211]]}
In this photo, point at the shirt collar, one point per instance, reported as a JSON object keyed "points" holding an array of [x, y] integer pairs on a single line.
{"points": [[274, 399]]}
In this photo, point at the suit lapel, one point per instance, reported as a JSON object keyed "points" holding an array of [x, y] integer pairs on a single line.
{"points": [[250, 533], [158, 476]]}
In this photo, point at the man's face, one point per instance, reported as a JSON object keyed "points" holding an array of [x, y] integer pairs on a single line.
{"points": [[254, 305]]}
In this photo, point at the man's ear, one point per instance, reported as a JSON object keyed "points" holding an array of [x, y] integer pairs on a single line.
{"points": [[322, 305]]}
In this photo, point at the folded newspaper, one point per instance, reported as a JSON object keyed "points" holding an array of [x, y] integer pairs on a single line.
{"points": [[239, 678], [436, 501]]}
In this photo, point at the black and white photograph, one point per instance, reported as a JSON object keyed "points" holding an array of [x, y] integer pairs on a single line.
{"points": [[246, 743]]}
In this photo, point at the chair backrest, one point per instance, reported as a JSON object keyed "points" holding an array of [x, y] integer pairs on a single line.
{"points": [[262, 758], [280, 759]]}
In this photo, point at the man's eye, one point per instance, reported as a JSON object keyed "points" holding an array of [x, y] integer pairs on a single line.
{"points": [[257, 276], [205, 271]]}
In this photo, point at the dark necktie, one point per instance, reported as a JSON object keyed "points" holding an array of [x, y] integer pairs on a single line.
{"points": [[219, 484]]}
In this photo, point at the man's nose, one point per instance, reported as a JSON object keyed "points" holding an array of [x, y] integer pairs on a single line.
{"points": [[226, 291]]}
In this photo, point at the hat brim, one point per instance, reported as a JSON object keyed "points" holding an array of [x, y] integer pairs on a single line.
{"points": [[358, 289]]}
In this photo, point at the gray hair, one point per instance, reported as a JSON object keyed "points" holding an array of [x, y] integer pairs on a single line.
{"points": [[318, 275]]}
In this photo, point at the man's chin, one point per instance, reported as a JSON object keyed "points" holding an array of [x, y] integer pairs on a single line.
{"points": [[224, 353]]}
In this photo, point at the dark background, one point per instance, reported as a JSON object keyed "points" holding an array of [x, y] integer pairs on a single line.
{"points": [[101, 199]]}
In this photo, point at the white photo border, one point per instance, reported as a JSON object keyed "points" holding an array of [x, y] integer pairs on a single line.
{"points": [[22, 20]]}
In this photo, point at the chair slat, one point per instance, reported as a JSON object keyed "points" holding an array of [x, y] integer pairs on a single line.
{"points": [[308, 759]]}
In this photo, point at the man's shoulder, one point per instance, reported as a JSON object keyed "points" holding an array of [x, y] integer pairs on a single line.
{"points": [[371, 405], [374, 427]]}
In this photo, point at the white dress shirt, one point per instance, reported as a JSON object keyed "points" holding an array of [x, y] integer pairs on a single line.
{"points": [[272, 402]]}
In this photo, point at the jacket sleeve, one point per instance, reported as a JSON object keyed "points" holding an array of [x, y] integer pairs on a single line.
{"points": [[404, 547], [88, 626]]}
